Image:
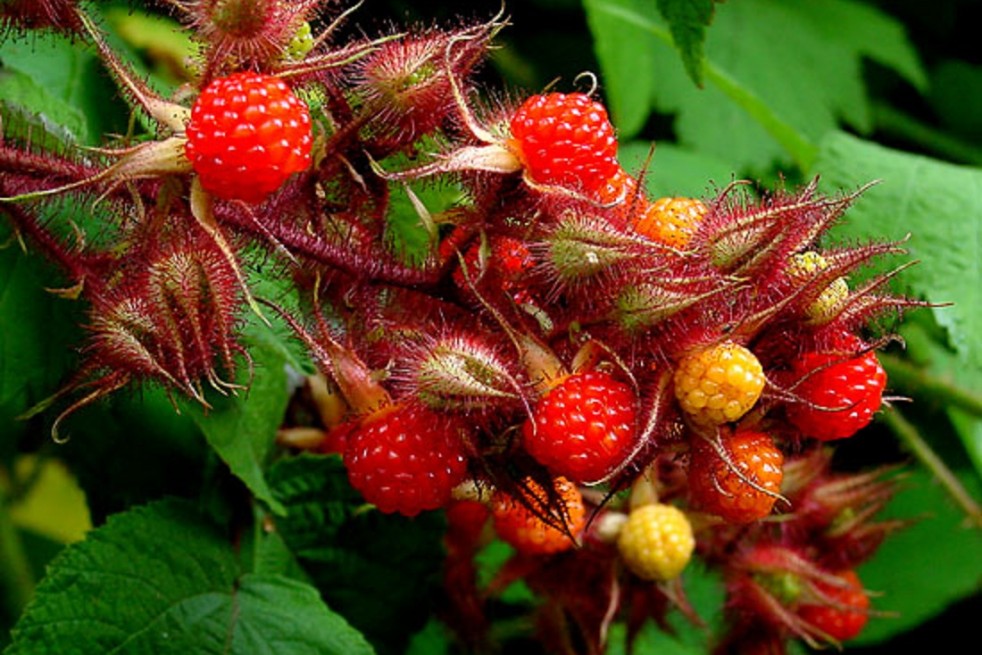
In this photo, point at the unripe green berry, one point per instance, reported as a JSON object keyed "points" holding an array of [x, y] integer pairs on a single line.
{"points": [[301, 43], [802, 267]]}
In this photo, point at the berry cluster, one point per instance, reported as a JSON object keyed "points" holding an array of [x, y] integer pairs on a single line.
{"points": [[616, 381]]}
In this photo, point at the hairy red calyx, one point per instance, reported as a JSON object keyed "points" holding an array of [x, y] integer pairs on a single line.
{"points": [[59, 15]]}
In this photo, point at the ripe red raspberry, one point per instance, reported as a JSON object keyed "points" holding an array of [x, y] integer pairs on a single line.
{"points": [[744, 488], [718, 384], [671, 221], [519, 526], [621, 192], [248, 133], [565, 140], [500, 266], [620, 188], [406, 458], [583, 427], [839, 394], [844, 614]]}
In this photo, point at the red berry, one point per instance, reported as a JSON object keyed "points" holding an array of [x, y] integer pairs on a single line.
{"points": [[248, 133], [499, 265], [839, 394], [742, 489], [620, 188], [525, 529], [583, 427], [845, 612], [565, 140], [336, 439], [406, 458], [466, 520], [622, 193]]}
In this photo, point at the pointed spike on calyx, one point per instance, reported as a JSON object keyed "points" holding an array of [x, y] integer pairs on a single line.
{"points": [[459, 373], [493, 26], [657, 426], [863, 305], [645, 304], [103, 387], [150, 159], [362, 391], [541, 364], [256, 34], [743, 235], [406, 84], [583, 247], [591, 77], [168, 114], [170, 315], [203, 211]]}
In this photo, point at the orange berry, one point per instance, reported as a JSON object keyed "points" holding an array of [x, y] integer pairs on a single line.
{"points": [[671, 221], [518, 525], [742, 487]]}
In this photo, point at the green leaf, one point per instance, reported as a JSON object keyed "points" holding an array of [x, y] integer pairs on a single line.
{"points": [[675, 171], [922, 569], [627, 56], [489, 561], [380, 571], [406, 232], [279, 615], [30, 111], [928, 349], [779, 75], [687, 19], [242, 428], [163, 579], [36, 340], [938, 205], [169, 46], [75, 88], [956, 96], [650, 640], [320, 501], [434, 639], [110, 444], [764, 131], [277, 335], [680, 636], [271, 556]]}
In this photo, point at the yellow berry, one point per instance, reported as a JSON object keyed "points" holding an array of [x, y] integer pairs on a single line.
{"points": [[802, 267], [656, 542], [671, 221], [719, 384]]}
